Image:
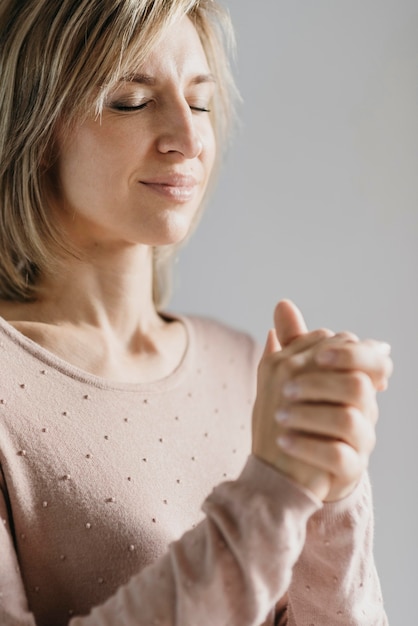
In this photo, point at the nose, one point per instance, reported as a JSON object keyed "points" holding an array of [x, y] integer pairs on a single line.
{"points": [[178, 131]]}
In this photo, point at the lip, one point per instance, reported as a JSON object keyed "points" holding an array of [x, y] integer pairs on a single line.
{"points": [[177, 187]]}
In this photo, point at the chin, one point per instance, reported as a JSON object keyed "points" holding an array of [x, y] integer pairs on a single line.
{"points": [[173, 230]]}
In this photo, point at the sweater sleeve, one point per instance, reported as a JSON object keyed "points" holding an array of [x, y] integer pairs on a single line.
{"points": [[222, 572], [13, 605], [335, 580]]}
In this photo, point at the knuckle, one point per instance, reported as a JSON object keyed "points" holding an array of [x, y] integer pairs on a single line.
{"points": [[359, 385], [294, 362], [347, 336], [324, 333], [349, 420], [339, 456]]}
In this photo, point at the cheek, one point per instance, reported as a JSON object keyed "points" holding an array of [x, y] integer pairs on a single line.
{"points": [[88, 162], [210, 149]]}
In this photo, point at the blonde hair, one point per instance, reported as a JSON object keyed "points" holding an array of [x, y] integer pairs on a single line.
{"points": [[58, 60]]}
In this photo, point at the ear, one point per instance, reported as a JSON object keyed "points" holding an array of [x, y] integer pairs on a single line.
{"points": [[289, 322]]}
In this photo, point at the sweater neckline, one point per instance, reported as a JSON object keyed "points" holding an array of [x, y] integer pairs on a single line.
{"points": [[64, 367]]}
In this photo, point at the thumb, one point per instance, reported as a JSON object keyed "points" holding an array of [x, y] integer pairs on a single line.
{"points": [[289, 322], [272, 343]]}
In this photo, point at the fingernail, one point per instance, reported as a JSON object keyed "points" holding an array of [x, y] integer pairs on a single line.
{"points": [[284, 442], [291, 389], [327, 357], [282, 415]]}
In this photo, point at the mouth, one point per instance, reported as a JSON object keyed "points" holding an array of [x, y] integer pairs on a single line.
{"points": [[176, 187]]}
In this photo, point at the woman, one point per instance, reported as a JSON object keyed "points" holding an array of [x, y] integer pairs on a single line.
{"points": [[118, 419]]}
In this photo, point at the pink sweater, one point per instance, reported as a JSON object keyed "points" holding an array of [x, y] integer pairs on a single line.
{"points": [[101, 492]]}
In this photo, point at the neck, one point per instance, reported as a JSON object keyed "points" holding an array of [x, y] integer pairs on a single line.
{"points": [[111, 292]]}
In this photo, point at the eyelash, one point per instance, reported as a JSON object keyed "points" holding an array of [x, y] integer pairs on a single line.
{"points": [[139, 107]]}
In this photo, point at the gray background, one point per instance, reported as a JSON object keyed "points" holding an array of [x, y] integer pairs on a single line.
{"points": [[318, 203]]}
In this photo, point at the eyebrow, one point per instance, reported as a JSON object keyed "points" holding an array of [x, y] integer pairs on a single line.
{"points": [[145, 79]]}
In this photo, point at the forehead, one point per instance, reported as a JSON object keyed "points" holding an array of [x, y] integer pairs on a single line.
{"points": [[179, 54]]}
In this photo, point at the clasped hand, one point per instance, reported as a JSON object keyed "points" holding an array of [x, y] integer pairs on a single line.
{"points": [[315, 412]]}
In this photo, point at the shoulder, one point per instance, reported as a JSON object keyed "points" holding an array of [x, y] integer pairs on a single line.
{"points": [[223, 340]]}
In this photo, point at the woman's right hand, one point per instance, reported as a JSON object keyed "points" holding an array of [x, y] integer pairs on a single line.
{"points": [[327, 430]]}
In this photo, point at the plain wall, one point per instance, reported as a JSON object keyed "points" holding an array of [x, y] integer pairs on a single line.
{"points": [[318, 202]]}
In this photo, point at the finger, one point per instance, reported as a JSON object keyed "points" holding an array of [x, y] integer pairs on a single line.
{"points": [[370, 357], [350, 388], [334, 457], [272, 344], [304, 342], [274, 358], [302, 351], [289, 322], [347, 336], [344, 423]]}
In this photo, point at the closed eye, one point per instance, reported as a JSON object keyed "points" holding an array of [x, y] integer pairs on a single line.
{"points": [[200, 109], [138, 107], [129, 107]]}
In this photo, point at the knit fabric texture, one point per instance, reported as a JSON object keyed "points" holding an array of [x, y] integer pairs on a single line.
{"points": [[140, 504]]}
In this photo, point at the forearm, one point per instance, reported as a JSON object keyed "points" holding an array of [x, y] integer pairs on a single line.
{"points": [[335, 580], [231, 569]]}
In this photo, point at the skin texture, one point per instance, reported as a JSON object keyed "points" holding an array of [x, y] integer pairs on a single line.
{"points": [[106, 165]]}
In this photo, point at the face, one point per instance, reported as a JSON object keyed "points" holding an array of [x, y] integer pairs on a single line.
{"points": [[137, 174]]}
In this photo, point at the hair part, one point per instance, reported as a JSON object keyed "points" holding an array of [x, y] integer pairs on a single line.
{"points": [[58, 61]]}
